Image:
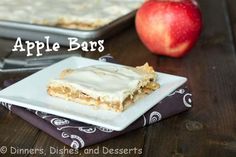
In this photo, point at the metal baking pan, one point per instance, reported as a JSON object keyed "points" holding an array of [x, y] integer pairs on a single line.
{"points": [[33, 32]]}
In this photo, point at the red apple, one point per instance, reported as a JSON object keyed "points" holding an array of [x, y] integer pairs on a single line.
{"points": [[169, 27]]}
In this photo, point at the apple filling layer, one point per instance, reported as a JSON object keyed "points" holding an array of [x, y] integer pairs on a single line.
{"points": [[110, 86]]}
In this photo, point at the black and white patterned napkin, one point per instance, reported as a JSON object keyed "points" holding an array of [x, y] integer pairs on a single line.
{"points": [[78, 135]]}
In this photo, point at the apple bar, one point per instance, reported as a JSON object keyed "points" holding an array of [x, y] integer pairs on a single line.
{"points": [[109, 86], [73, 14]]}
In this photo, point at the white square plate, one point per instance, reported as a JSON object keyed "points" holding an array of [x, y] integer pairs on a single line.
{"points": [[31, 93]]}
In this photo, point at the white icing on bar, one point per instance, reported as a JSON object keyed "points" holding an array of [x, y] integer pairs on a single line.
{"points": [[110, 83], [46, 11]]}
